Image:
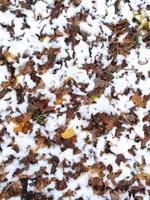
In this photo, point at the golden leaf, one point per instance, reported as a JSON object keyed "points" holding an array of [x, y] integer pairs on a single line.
{"points": [[143, 176], [109, 98], [21, 125], [68, 79], [59, 101], [69, 133]]}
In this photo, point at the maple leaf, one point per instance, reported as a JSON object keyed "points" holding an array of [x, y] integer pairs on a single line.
{"points": [[69, 133]]}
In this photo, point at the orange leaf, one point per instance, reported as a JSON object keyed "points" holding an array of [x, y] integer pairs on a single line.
{"points": [[21, 125], [69, 133], [59, 101], [138, 100]]}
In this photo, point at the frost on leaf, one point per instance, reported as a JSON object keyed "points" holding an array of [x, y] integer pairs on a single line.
{"points": [[69, 133]]}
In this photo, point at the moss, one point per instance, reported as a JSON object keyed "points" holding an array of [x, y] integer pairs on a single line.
{"points": [[39, 118]]}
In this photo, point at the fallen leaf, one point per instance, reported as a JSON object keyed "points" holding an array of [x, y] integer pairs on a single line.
{"points": [[19, 78], [92, 98], [138, 100], [143, 176], [27, 69], [20, 126], [68, 79], [59, 101], [142, 62], [9, 57], [97, 184], [69, 133], [108, 121], [120, 158], [41, 183], [109, 98], [58, 33]]}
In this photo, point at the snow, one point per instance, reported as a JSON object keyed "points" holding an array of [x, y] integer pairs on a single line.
{"points": [[4, 74], [68, 74]]}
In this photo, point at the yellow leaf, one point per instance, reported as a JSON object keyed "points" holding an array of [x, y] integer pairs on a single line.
{"points": [[19, 78], [69, 133], [92, 98], [143, 19], [138, 100]]}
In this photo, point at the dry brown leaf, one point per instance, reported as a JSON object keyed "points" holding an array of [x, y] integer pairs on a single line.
{"points": [[143, 176], [58, 33], [9, 57], [138, 100], [109, 121], [41, 183]]}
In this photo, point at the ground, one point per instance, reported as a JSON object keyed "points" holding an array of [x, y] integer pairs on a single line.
{"points": [[74, 100]]}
